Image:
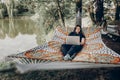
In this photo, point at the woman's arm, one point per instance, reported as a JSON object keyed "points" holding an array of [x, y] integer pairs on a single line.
{"points": [[82, 41]]}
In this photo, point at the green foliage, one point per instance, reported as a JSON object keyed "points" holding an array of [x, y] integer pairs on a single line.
{"points": [[109, 10], [50, 12]]}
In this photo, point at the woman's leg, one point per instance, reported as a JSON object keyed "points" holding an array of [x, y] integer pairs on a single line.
{"points": [[65, 48], [74, 50]]}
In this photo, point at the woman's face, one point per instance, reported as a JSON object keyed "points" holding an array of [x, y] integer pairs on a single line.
{"points": [[77, 29]]}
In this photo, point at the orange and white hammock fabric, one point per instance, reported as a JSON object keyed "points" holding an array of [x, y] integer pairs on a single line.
{"points": [[94, 50]]}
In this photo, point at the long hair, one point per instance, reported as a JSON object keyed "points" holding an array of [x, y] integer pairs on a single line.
{"points": [[80, 29]]}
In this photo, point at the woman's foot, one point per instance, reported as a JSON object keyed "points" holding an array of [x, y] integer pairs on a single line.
{"points": [[67, 57]]}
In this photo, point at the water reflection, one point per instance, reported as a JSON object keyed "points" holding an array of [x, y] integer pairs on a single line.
{"points": [[12, 27], [17, 35]]}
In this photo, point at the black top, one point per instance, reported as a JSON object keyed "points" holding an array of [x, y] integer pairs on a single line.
{"points": [[75, 34]]}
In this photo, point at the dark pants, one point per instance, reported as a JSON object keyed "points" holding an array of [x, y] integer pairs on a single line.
{"points": [[70, 49]]}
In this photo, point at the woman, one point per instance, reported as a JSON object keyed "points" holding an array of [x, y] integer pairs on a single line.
{"points": [[69, 51]]}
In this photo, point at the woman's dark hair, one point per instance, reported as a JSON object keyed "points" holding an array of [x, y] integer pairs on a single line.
{"points": [[79, 27], [81, 32]]}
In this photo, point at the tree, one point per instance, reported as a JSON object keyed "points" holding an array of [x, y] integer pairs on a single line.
{"points": [[99, 10], [9, 4], [91, 12], [117, 13], [78, 12], [61, 15]]}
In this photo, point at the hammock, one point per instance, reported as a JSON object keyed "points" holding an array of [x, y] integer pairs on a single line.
{"points": [[94, 51]]}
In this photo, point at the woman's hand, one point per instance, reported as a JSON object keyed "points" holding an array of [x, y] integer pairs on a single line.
{"points": [[64, 38]]}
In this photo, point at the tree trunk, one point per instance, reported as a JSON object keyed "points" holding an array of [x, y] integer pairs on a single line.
{"points": [[60, 13], [9, 5], [78, 12], [99, 11], [117, 13], [91, 13]]}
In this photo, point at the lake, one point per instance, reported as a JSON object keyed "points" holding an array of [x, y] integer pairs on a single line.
{"points": [[18, 35]]}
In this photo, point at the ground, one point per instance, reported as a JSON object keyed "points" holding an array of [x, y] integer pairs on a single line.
{"points": [[74, 74], [114, 45]]}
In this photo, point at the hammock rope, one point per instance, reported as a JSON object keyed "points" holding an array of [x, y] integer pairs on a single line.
{"points": [[94, 50]]}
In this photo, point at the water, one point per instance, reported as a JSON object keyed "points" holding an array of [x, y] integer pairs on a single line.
{"points": [[18, 35]]}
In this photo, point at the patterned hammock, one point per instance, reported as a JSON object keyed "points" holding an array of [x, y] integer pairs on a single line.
{"points": [[94, 50]]}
